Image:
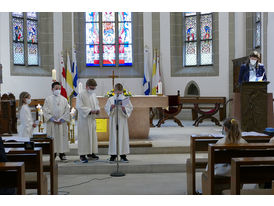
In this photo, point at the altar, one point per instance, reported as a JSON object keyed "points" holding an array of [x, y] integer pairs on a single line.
{"points": [[138, 122]]}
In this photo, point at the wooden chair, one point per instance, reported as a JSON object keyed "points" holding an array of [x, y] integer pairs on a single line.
{"points": [[174, 108], [219, 154], [34, 176], [50, 166], [12, 175], [198, 144]]}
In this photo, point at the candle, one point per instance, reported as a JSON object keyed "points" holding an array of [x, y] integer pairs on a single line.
{"points": [[54, 75], [160, 88], [80, 87]]}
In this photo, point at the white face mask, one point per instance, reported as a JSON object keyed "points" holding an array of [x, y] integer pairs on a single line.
{"points": [[57, 92], [28, 101], [253, 62], [91, 91]]}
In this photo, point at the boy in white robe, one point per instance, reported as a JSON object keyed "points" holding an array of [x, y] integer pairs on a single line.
{"points": [[56, 114], [88, 107], [124, 111], [25, 118]]}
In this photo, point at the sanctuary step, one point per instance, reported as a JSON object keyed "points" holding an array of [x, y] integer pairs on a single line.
{"points": [[146, 163]]}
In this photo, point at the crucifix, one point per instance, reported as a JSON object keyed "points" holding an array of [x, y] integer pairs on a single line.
{"points": [[113, 77]]}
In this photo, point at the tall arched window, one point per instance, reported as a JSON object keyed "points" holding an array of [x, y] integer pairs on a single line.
{"points": [[108, 39], [257, 31], [198, 39], [25, 38]]}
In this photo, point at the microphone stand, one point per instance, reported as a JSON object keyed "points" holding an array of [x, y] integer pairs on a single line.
{"points": [[117, 173]]}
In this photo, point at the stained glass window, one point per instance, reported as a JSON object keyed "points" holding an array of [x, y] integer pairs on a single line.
{"points": [[257, 30], [112, 44], [29, 21], [198, 39]]}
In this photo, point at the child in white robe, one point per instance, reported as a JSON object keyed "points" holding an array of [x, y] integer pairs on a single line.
{"points": [[25, 118], [56, 114], [124, 111], [88, 107]]}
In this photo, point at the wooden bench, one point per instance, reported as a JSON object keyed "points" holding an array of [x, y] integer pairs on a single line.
{"points": [[50, 166], [33, 164], [12, 175], [199, 144], [247, 170], [220, 154]]}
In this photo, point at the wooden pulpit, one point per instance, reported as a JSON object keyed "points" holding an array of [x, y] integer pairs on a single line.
{"points": [[253, 97]]}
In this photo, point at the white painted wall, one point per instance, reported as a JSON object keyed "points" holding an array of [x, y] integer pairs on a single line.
{"points": [[270, 52], [209, 86], [38, 87], [240, 34]]}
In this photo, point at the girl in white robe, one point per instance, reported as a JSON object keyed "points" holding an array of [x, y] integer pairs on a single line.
{"points": [[124, 112], [25, 118], [56, 113], [88, 107]]}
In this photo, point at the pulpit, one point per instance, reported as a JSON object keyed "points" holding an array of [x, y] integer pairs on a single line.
{"points": [[253, 97]]}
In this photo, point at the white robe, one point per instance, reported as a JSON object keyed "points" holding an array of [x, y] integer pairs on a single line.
{"points": [[87, 137], [123, 127], [58, 108], [26, 122]]}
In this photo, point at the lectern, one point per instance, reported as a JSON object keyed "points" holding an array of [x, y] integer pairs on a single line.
{"points": [[253, 97]]}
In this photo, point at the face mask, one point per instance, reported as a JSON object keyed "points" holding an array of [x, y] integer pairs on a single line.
{"points": [[91, 91], [57, 92], [253, 62], [28, 101]]}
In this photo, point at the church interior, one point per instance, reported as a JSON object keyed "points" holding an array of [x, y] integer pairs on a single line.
{"points": [[180, 71]]}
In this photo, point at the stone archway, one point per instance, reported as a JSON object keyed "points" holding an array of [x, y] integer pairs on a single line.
{"points": [[192, 89]]}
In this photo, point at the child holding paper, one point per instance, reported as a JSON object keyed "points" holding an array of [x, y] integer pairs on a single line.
{"points": [[123, 105]]}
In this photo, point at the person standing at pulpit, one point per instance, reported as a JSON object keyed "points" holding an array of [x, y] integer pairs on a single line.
{"points": [[87, 105], [253, 70], [56, 114], [124, 111], [26, 122]]}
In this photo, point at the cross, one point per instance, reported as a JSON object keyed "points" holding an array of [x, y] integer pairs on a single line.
{"points": [[113, 77]]}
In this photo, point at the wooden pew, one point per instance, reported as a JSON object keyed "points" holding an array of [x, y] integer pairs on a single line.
{"points": [[33, 163], [48, 166], [199, 144], [223, 154], [12, 175], [246, 170]]}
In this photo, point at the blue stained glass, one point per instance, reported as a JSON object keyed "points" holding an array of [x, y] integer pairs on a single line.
{"points": [[206, 26], [124, 16], [92, 33], [125, 35], [108, 33], [32, 15], [32, 31], [92, 55], [258, 35], [108, 16], [125, 55], [92, 16], [32, 54], [18, 14], [109, 55], [191, 27], [18, 30], [258, 16], [18, 53]]}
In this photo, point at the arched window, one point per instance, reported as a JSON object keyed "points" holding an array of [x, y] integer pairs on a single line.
{"points": [[108, 39], [257, 30], [25, 38], [198, 39]]}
